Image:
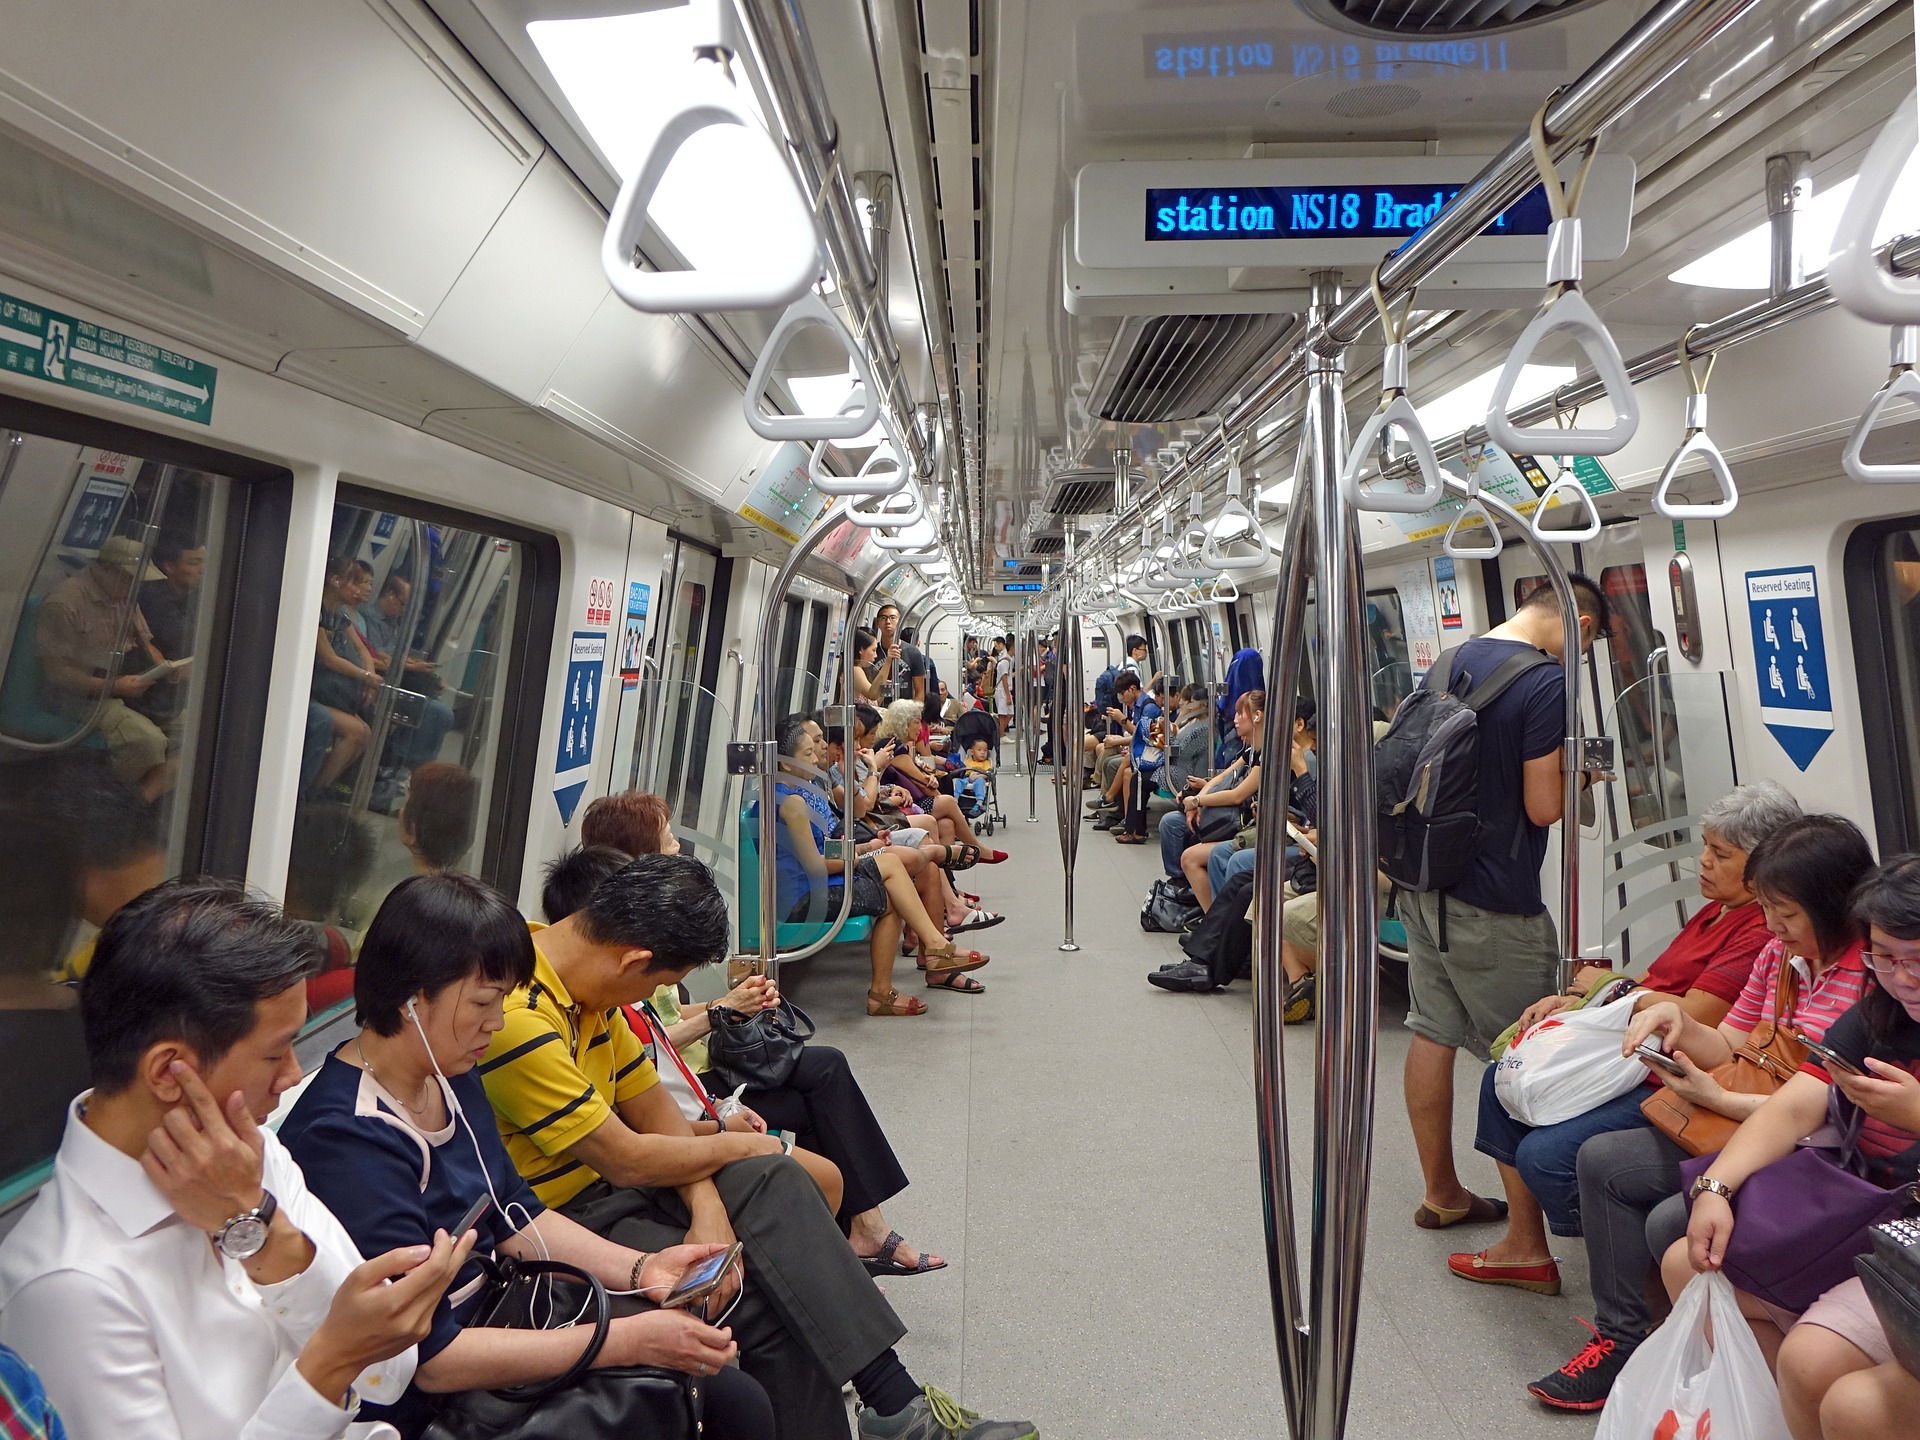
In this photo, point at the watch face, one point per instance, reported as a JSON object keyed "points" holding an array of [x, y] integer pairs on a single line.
{"points": [[244, 1238]]}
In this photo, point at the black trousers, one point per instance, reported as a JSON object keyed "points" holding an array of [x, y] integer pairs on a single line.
{"points": [[809, 1315], [1217, 941], [1139, 794], [825, 1107]]}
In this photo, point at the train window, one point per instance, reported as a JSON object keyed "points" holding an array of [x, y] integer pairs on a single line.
{"points": [[1525, 586], [1883, 593], [1389, 664], [409, 721], [117, 580], [1643, 704]]}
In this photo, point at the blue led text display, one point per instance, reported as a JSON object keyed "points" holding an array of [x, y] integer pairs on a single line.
{"points": [[1022, 587], [1319, 212], [1222, 55]]}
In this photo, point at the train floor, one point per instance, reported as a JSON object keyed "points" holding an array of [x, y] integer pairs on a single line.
{"points": [[1082, 1151]]}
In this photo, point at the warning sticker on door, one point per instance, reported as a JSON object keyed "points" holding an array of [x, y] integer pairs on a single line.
{"points": [[579, 711], [1790, 660]]}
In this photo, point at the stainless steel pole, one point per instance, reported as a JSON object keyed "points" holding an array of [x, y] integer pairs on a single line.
{"points": [[1066, 704], [1348, 990], [1270, 979]]}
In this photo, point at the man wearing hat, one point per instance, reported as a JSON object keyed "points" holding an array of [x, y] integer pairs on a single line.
{"points": [[83, 655]]}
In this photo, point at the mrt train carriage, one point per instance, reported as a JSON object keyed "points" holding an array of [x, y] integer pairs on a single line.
{"points": [[404, 449]]}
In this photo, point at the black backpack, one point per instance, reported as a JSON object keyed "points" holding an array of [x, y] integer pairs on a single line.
{"points": [[1427, 773], [1170, 909]]}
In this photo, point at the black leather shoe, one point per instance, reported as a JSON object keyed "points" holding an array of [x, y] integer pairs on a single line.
{"points": [[1189, 976]]}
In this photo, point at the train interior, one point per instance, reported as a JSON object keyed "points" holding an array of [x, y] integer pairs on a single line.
{"points": [[376, 329]]}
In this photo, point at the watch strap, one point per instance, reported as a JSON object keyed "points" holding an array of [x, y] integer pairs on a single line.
{"points": [[1706, 1183]]}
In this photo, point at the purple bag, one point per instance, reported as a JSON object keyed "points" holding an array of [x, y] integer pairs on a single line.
{"points": [[1801, 1220]]}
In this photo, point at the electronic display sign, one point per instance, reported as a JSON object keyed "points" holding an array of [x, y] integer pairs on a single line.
{"points": [[1023, 587], [1319, 212]]}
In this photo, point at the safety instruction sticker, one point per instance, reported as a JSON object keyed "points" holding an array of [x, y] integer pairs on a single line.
{"points": [[579, 710], [1790, 660], [80, 355]]}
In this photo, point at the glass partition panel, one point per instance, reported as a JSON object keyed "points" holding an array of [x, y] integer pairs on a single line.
{"points": [[1674, 758]]}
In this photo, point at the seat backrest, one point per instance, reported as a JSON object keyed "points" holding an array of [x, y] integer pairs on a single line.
{"points": [[21, 714], [749, 881]]}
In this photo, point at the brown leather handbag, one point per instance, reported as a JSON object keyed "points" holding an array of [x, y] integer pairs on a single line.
{"points": [[1761, 1064]]}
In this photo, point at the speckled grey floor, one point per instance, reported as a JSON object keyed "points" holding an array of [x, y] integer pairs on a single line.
{"points": [[1082, 1151]]}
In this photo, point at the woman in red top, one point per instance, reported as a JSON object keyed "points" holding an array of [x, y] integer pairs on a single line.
{"points": [[1702, 971]]}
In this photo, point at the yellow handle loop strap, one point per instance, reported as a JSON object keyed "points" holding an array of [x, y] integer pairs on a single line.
{"points": [[1696, 379], [1470, 458], [1564, 202], [1396, 330]]}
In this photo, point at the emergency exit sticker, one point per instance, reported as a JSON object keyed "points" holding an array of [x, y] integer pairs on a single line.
{"points": [[1790, 660], [579, 710]]}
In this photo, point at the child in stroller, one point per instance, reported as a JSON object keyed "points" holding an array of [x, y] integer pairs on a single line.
{"points": [[970, 759]]}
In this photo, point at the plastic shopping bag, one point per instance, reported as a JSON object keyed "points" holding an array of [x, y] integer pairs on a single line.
{"points": [[1567, 1064], [1679, 1385]]}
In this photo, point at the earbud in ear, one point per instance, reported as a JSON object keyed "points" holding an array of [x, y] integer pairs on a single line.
{"points": [[413, 1013]]}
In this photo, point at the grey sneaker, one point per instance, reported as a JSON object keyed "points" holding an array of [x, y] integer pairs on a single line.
{"points": [[936, 1415]]}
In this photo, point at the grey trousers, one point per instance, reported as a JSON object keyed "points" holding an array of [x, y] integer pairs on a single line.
{"points": [[809, 1316], [1632, 1210]]}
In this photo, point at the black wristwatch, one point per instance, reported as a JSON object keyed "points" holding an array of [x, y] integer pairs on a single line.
{"points": [[245, 1236]]}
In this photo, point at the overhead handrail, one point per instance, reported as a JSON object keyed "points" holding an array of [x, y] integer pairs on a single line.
{"points": [[884, 472], [1565, 311], [817, 461], [843, 424], [1220, 554], [881, 514], [1474, 512], [1395, 411], [1855, 272], [786, 259], [1902, 384], [1696, 442]]}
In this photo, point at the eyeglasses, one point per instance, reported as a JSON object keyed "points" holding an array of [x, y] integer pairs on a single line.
{"points": [[1908, 968]]}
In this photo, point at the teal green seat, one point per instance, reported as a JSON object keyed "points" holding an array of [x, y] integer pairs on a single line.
{"points": [[22, 716], [1393, 939], [788, 935]]}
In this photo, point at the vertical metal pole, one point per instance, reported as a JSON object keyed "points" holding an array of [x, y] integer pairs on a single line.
{"points": [[1787, 189], [1348, 992], [1270, 980], [1066, 704], [1030, 692]]}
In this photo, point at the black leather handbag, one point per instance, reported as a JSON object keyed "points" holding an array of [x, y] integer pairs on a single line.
{"points": [[1891, 1273], [759, 1051], [581, 1403]]}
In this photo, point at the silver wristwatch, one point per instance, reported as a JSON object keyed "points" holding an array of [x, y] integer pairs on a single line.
{"points": [[1708, 1183], [245, 1236]]}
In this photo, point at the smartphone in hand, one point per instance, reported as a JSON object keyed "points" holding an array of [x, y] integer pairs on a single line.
{"points": [[1653, 1055]]}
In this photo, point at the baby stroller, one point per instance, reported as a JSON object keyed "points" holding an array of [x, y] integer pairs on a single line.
{"points": [[982, 811]]}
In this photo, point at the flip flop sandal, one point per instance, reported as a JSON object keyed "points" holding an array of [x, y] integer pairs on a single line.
{"points": [[883, 1262], [892, 1002], [961, 961], [978, 920], [961, 984]]}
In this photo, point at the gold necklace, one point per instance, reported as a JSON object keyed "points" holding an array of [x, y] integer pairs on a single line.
{"points": [[417, 1111]]}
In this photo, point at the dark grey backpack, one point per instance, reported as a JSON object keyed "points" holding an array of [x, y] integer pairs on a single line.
{"points": [[1427, 772]]}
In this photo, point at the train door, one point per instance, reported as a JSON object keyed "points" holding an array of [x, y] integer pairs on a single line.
{"points": [[685, 722]]}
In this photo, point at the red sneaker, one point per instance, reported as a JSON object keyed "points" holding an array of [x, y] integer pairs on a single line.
{"points": [[1541, 1277], [1584, 1381]]}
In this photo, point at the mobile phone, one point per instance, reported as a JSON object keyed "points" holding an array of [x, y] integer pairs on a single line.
{"points": [[785, 1137], [701, 1280], [474, 1212], [1831, 1058], [1658, 1058]]}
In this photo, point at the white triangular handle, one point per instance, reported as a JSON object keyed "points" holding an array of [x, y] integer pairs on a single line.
{"points": [[1572, 315], [1904, 385], [1698, 442], [1187, 562], [1565, 483], [1397, 412], [1220, 554], [1458, 548], [1225, 591], [1854, 273], [884, 473], [810, 309], [786, 255], [883, 514], [817, 462]]}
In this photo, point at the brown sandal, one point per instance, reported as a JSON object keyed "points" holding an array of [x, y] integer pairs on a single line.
{"points": [[892, 1002], [959, 961]]}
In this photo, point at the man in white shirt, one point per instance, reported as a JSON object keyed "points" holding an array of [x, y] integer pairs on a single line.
{"points": [[175, 1280]]}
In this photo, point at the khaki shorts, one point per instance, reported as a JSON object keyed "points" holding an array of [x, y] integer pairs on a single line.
{"points": [[1110, 766], [1494, 966], [1300, 921]]}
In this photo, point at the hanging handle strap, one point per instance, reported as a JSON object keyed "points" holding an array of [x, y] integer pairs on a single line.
{"points": [[1395, 412], [1696, 444], [1563, 203]]}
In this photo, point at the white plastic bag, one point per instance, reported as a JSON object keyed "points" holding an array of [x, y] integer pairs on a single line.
{"points": [[1568, 1063], [1680, 1386]]}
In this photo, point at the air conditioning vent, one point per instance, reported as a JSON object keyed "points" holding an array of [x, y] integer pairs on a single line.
{"points": [[1177, 367], [1052, 544], [1079, 492], [1438, 17]]}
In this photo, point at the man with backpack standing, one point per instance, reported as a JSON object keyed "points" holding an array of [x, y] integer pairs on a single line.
{"points": [[1464, 810]]}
